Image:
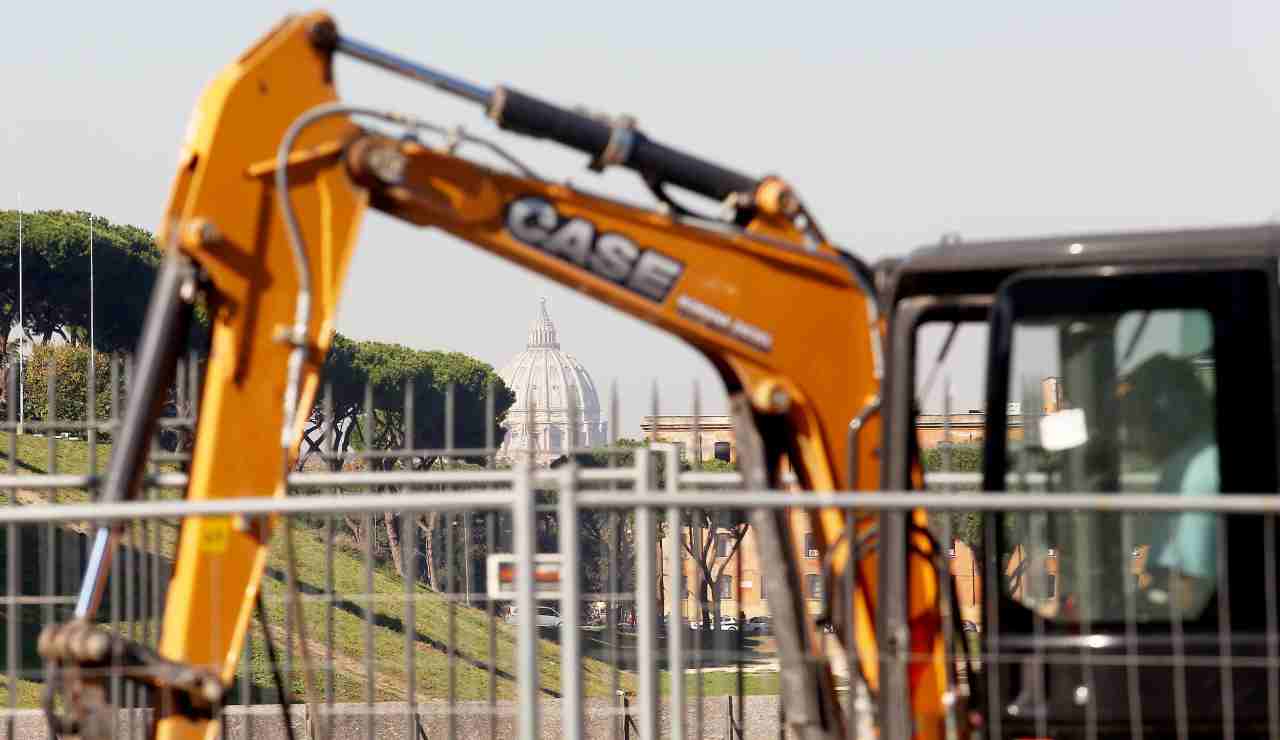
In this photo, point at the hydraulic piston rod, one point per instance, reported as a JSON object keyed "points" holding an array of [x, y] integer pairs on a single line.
{"points": [[402, 66], [607, 141]]}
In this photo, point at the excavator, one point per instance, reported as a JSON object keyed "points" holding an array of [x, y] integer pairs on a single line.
{"points": [[273, 179], [1104, 352]]}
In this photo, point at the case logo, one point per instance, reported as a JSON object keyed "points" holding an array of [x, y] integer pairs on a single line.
{"points": [[614, 257]]}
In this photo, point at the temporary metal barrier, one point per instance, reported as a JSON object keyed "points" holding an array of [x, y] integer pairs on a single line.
{"points": [[409, 636]]}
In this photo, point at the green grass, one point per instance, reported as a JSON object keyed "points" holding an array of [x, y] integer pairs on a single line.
{"points": [[28, 693], [431, 622], [50, 455], [389, 658], [724, 683]]}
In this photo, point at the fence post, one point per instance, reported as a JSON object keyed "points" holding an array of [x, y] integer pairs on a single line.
{"points": [[626, 715], [675, 620], [571, 723], [646, 618], [522, 506], [894, 709]]}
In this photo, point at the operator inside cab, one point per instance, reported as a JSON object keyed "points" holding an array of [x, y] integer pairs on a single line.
{"points": [[1167, 415]]}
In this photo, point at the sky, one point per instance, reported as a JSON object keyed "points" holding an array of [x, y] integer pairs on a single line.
{"points": [[897, 122]]}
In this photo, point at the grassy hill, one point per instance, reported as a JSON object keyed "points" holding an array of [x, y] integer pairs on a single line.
{"points": [[390, 658]]}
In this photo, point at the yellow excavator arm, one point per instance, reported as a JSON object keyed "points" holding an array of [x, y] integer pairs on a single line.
{"points": [[265, 231]]}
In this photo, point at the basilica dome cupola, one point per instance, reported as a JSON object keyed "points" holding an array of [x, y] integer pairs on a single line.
{"points": [[556, 405]]}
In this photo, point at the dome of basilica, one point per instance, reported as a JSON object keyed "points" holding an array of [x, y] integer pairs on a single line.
{"points": [[556, 400]]}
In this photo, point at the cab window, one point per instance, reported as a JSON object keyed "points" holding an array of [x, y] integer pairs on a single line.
{"points": [[1112, 403]]}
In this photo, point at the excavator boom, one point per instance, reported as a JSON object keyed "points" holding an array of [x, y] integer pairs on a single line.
{"points": [[266, 231]]}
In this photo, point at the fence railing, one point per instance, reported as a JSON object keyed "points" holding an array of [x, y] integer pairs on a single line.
{"points": [[661, 595]]}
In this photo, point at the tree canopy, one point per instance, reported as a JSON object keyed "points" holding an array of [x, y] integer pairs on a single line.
{"points": [[55, 267], [966, 526], [387, 370], [964, 459], [370, 387], [69, 367]]}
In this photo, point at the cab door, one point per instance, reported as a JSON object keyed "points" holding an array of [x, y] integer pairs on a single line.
{"points": [[1132, 381]]}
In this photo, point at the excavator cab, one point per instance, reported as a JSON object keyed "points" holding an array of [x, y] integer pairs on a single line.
{"points": [[1126, 365]]}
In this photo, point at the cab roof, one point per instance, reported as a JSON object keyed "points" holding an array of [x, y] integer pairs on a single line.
{"points": [[980, 267]]}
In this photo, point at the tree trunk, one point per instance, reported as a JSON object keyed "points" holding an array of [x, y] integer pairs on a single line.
{"points": [[706, 596], [336, 463], [466, 558], [393, 542], [662, 592], [430, 522], [357, 531]]}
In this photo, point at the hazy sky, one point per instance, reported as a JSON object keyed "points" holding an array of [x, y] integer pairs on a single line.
{"points": [[897, 121]]}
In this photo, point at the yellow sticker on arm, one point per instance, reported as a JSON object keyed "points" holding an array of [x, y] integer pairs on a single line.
{"points": [[215, 533]]}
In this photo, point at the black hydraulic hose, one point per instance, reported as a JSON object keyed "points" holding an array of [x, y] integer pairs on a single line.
{"points": [[281, 688], [606, 142], [525, 114]]}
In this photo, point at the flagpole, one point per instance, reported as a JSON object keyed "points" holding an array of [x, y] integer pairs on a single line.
{"points": [[22, 331], [92, 367]]}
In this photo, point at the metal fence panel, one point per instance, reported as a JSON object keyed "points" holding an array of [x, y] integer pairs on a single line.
{"points": [[376, 619]]}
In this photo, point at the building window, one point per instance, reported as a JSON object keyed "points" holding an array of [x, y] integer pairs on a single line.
{"points": [[813, 585], [723, 451], [810, 545], [724, 587], [724, 544], [760, 577]]}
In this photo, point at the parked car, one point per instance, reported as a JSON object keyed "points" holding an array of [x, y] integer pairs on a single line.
{"points": [[545, 616], [726, 623], [760, 626]]}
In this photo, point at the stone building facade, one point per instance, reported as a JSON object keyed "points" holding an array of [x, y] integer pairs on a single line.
{"points": [[737, 575], [712, 436]]}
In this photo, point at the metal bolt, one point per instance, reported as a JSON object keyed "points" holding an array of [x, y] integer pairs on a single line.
{"points": [[211, 689], [324, 34], [788, 203], [187, 291], [188, 680], [48, 642], [199, 232], [209, 233], [769, 397], [387, 164], [94, 646]]}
